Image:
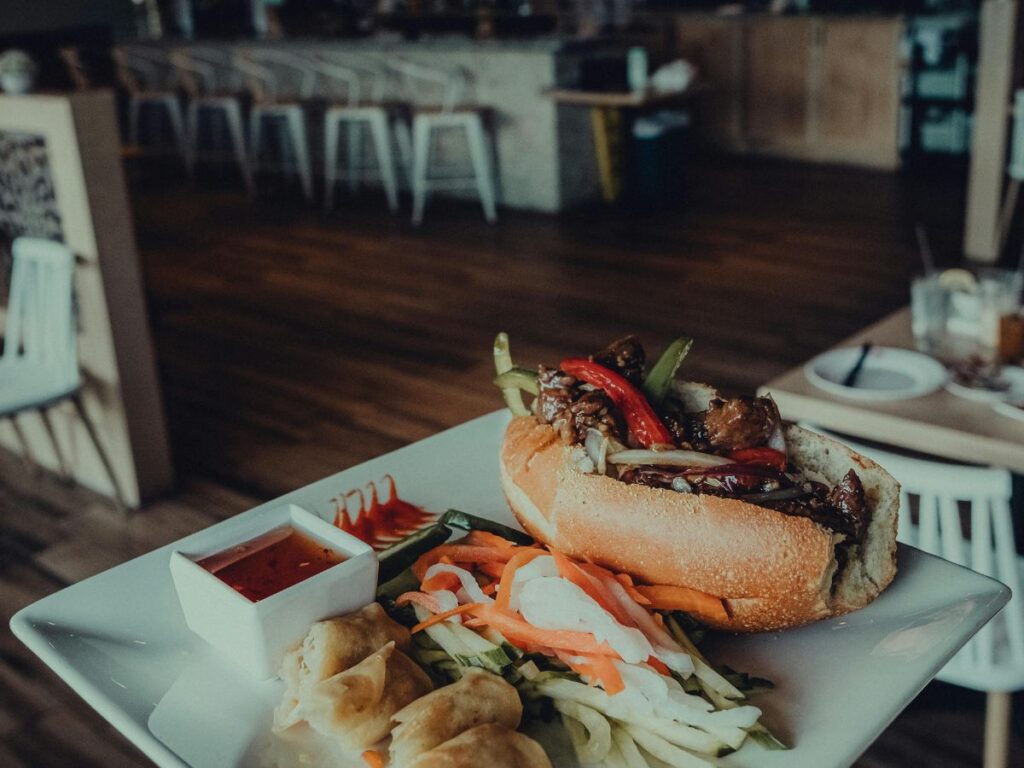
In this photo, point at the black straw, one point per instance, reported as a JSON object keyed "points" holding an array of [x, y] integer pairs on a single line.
{"points": [[851, 377]]}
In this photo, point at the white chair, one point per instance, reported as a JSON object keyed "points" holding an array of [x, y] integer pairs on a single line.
{"points": [[198, 74], [143, 74], [993, 661], [345, 86], [270, 101], [453, 112], [39, 365]]}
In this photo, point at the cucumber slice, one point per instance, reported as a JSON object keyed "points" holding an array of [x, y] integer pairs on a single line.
{"points": [[404, 553], [432, 657], [441, 634], [470, 639]]}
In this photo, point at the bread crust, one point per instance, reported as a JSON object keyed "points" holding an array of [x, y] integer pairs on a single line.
{"points": [[774, 570]]}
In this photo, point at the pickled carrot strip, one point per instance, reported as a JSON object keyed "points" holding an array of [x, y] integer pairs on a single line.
{"points": [[468, 607]]}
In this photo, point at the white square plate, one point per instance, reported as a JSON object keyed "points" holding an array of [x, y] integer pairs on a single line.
{"points": [[120, 641]]}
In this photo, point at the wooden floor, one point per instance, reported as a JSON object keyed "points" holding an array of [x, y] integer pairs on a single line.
{"points": [[293, 343]]}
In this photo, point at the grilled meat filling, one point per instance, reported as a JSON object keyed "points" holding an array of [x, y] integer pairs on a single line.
{"points": [[842, 509], [625, 356], [732, 424], [572, 407]]}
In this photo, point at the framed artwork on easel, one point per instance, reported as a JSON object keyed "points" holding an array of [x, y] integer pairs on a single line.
{"points": [[61, 179]]}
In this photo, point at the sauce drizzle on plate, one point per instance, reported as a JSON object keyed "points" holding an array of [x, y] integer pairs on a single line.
{"points": [[379, 522]]}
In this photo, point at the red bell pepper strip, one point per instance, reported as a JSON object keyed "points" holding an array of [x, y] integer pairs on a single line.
{"points": [[643, 422], [764, 455]]}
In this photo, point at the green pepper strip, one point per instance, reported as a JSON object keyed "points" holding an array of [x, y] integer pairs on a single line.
{"points": [[502, 364], [659, 379], [520, 378]]}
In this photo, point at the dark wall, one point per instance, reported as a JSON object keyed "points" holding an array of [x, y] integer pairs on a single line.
{"points": [[26, 17]]}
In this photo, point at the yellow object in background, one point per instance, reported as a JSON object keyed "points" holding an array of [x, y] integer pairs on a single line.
{"points": [[608, 146]]}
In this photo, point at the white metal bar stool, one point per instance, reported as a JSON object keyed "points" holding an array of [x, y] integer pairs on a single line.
{"points": [[144, 75], [352, 112], [452, 113], [198, 76], [258, 69]]}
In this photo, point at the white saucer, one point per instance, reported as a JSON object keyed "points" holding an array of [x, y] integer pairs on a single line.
{"points": [[1010, 411], [1013, 374], [1004, 406], [889, 373]]}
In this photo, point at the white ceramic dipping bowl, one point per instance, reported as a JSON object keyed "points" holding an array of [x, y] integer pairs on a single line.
{"points": [[255, 635]]}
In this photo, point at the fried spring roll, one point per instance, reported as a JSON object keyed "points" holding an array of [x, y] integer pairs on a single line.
{"points": [[492, 745], [330, 647], [478, 698], [355, 707]]}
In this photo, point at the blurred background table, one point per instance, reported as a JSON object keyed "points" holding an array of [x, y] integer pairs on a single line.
{"points": [[940, 424], [611, 117]]}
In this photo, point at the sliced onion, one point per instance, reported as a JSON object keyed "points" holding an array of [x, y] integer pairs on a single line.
{"points": [[676, 458], [584, 463], [593, 738], [693, 396], [691, 701], [680, 484], [446, 601], [628, 748], [597, 449], [469, 584], [666, 649], [538, 567], [557, 603], [640, 677]]}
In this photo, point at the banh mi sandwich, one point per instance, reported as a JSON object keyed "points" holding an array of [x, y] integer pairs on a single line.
{"points": [[677, 484]]}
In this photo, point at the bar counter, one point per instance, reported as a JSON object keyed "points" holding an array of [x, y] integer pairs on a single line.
{"points": [[545, 155]]}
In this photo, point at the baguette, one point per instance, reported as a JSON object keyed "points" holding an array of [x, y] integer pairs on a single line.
{"points": [[772, 570]]}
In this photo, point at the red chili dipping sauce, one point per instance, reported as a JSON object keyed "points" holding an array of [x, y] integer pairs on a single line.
{"points": [[264, 566]]}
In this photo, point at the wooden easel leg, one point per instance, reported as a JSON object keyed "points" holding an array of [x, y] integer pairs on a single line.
{"points": [[44, 414], [26, 452], [101, 452]]}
